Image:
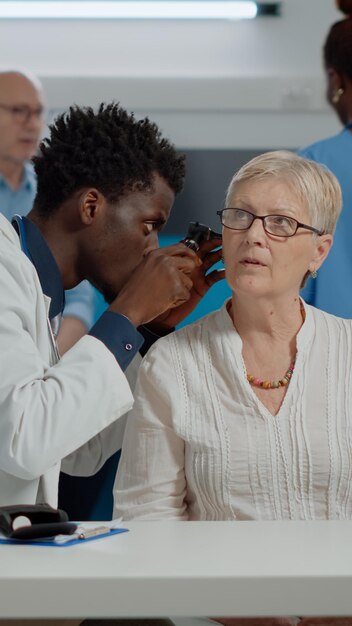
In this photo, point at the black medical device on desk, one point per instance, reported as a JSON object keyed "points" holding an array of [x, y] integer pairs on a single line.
{"points": [[30, 521]]}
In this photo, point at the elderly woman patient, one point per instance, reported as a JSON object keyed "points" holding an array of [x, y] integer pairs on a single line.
{"points": [[247, 413]]}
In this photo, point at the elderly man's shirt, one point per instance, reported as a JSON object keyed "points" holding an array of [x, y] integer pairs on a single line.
{"points": [[18, 201]]}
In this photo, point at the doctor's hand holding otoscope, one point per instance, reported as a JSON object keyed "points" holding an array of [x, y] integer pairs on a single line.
{"points": [[206, 243], [169, 282]]}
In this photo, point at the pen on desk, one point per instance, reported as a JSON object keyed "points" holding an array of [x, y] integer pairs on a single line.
{"points": [[92, 532]]}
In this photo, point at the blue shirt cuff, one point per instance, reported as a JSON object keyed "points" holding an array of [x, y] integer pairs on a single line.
{"points": [[119, 335]]}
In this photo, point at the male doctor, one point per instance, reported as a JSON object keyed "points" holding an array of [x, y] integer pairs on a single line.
{"points": [[106, 184]]}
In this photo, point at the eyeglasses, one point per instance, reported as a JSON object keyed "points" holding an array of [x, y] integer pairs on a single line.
{"points": [[22, 113], [278, 225]]}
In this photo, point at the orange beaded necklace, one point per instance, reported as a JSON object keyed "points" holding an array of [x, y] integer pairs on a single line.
{"points": [[272, 384], [275, 384]]}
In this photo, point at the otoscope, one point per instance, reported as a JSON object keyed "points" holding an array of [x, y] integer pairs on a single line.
{"points": [[197, 233]]}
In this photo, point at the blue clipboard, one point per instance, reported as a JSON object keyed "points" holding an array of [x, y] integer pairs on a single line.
{"points": [[70, 540]]}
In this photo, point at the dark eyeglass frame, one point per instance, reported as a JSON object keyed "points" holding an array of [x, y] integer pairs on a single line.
{"points": [[262, 218], [22, 112]]}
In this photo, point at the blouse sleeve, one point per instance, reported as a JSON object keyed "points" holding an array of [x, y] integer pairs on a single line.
{"points": [[150, 482]]}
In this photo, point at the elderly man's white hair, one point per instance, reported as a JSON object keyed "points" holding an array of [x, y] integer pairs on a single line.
{"points": [[12, 73]]}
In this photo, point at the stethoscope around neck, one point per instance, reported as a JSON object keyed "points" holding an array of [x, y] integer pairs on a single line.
{"points": [[18, 221]]}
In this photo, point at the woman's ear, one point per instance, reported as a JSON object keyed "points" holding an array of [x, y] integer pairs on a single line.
{"points": [[322, 249]]}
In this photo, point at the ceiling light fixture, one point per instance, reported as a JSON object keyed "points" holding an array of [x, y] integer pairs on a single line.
{"points": [[129, 9]]}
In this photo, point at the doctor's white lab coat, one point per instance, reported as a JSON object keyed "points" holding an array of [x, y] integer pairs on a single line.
{"points": [[49, 407]]}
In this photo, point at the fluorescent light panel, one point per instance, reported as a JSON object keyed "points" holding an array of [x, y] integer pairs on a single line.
{"points": [[126, 9]]}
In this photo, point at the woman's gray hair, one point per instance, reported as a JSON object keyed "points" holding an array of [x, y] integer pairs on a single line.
{"points": [[314, 184]]}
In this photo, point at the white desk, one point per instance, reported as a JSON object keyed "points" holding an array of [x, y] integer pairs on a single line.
{"points": [[183, 569]]}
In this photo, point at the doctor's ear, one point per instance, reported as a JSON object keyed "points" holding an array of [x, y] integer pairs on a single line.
{"points": [[90, 204]]}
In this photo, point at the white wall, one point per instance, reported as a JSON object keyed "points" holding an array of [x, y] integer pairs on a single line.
{"points": [[222, 84]]}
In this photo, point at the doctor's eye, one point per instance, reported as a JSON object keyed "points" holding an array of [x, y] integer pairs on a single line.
{"points": [[154, 225]]}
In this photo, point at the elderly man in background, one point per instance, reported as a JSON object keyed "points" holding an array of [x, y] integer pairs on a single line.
{"points": [[22, 119]]}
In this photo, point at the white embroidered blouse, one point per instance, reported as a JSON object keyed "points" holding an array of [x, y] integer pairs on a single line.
{"points": [[199, 444]]}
